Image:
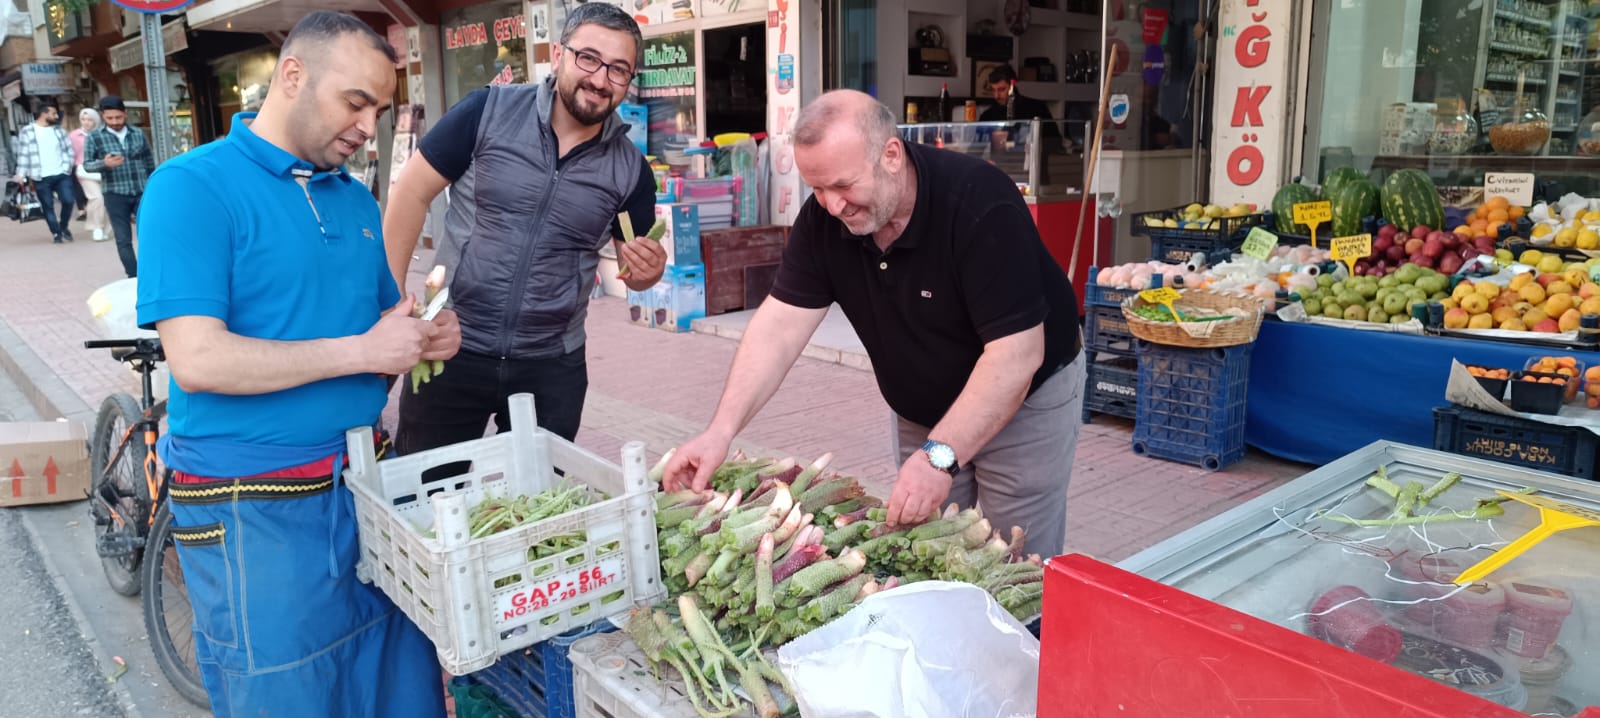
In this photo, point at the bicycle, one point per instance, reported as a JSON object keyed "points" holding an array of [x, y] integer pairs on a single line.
{"points": [[128, 503]]}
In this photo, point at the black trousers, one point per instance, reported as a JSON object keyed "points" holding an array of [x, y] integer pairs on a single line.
{"points": [[120, 209], [52, 189], [455, 406]]}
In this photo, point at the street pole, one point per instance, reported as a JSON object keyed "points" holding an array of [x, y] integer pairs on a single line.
{"points": [[155, 75]]}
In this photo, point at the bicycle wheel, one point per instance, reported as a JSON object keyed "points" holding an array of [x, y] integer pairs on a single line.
{"points": [[168, 617], [120, 485]]}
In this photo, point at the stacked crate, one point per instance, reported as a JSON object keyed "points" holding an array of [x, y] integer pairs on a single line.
{"points": [[1112, 386]]}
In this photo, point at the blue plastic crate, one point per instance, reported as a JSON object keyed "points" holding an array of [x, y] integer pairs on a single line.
{"points": [[536, 682], [1100, 295], [1112, 388], [1192, 404], [1107, 331], [1567, 450]]}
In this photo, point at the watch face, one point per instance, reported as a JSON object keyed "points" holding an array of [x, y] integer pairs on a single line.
{"points": [[941, 455]]}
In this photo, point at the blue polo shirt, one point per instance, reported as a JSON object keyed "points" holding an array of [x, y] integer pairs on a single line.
{"points": [[227, 231]]}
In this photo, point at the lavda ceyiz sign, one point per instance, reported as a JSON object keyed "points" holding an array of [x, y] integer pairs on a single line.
{"points": [[157, 7]]}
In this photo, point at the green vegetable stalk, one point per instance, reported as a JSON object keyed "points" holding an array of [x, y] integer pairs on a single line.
{"points": [[427, 369], [656, 233]]}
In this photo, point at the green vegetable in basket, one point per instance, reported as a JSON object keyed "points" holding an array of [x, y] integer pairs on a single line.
{"points": [[494, 515], [1159, 313]]}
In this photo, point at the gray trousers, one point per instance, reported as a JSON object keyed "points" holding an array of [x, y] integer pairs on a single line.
{"points": [[1020, 477]]}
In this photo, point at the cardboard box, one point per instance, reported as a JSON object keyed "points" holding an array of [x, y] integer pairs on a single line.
{"points": [[682, 240], [642, 307], [44, 462], [680, 297]]}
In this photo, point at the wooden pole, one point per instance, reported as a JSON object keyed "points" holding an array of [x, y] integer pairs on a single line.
{"points": [[1094, 161]]}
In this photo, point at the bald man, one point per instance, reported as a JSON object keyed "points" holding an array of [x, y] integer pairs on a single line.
{"points": [[971, 326]]}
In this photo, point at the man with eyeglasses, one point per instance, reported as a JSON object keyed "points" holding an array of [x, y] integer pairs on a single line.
{"points": [[538, 176], [262, 266]]}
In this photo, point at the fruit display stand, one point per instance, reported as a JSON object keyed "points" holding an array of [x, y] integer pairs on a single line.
{"points": [[1215, 620]]}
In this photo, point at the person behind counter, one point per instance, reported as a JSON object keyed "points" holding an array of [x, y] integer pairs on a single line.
{"points": [[971, 327]]}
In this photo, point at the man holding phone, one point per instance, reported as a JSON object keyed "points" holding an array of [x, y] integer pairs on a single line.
{"points": [[122, 156]]}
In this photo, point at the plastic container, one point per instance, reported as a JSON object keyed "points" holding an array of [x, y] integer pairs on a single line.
{"points": [[1107, 331], [1454, 129], [537, 681], [1191, 404], [1524, 133], [1529, 394], [478, 599], [1495, 387], [612, 679], [1535, 613], [1568, 450], [1357, 625], [1481, 673], [1540, 676], [1574, 379], [1112, 388], [1176, 245], [1102, 295], [1589, 134]]}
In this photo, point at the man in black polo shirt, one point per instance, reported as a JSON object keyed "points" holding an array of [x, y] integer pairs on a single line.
{"points": [[971, 326]]}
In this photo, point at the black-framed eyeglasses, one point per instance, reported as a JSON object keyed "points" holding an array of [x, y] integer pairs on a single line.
{"points": [[590, 62]]}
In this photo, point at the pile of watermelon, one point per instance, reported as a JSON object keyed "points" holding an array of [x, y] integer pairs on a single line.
{"points": [[1407, 200]]}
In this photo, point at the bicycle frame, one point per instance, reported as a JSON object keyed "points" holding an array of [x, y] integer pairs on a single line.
{"points": [[150, 425]]}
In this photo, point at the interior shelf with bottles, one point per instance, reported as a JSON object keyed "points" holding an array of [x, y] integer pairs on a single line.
{"points": [[1541, 48]]}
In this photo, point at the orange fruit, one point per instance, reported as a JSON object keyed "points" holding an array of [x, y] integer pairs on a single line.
{"points": [[1479, 226], [1557, 304], [1497, 202], [1532, 293], [1463, 230], [1493, 228], [1568, 362], [1517, 212], [1499, 215]]}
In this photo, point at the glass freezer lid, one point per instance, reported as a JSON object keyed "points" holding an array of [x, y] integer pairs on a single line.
{"points": [[1527, 636]]}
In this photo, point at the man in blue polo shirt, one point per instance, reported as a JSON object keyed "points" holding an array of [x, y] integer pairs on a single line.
{"points": [[263, 269]]}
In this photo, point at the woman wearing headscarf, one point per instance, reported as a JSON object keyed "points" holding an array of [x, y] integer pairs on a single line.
{"points": [[98, 224]]}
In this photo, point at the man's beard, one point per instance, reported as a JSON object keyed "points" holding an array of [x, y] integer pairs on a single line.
{"points": [[580, 113]]}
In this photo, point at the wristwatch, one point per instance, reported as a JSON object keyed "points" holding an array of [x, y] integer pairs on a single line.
{"points": [[941, 456]]}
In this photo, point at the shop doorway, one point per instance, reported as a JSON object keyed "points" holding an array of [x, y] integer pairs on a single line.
{"points": [[735, 78], [849, 42]]}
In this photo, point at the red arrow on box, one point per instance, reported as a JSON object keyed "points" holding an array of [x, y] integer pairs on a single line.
{"points": [[16, 478], [51, 471]]}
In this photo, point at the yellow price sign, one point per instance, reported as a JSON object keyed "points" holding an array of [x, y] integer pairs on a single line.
{"points": [[1313, 215], [1164, 296], [1350, 249], [1554, 516]]}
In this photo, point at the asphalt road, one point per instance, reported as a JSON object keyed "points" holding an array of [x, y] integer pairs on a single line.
{"points": [[61, 625]]}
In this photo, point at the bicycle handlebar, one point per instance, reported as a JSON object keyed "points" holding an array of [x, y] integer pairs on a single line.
{"points": [[111, 344]]}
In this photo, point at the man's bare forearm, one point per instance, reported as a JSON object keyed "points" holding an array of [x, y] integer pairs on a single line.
{"points": [[409, 198], [993, 393], [771, 344], [205, 357]]}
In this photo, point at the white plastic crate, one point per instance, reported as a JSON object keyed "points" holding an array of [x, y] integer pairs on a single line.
{"points": [[612, 679], [478, 599]]}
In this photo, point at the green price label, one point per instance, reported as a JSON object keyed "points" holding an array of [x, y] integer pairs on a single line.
{"points": [[1259, 244]]}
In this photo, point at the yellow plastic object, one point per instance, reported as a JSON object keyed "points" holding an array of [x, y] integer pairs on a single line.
{"points": [[728, 138], [1164, 296], [1554, 516]]}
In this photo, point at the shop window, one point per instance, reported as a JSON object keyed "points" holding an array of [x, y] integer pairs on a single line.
{"points": [[483, 45], [1457, 88], [666, 86], [736, 72]]}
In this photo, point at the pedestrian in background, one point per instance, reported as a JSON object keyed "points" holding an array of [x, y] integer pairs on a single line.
{"points": [[121, 156], [89, 182], [44, 155]]}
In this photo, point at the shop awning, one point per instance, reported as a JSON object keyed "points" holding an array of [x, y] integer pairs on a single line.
{"points": [[264, 16]]}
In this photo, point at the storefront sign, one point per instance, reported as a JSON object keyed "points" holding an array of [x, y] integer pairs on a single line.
{"points": [[668, 67], [785, 191], [130, 53], [46, 78], [1253, 58], [472, 34], [153, 7]]}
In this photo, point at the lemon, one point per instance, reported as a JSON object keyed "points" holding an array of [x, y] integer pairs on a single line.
{"points": [[1541, 231], [1531, 256], [1550, 264], [1588, 239], [1503, 255], [1591, 216], [1566, 238]]}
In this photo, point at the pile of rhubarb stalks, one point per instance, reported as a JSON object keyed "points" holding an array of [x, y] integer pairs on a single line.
{"points": [[772, 551]]}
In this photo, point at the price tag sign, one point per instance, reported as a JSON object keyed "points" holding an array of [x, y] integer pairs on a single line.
{"points": [[1313, 215], [1259, 244], [1554, 516], [1164, 296], [543, 596], [1516, 187], [1350, 249]]}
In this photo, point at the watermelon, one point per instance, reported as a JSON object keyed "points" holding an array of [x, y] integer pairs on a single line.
{"points": [[1283, 204], [1337, 177], [1354, 200], [1410, 199]]}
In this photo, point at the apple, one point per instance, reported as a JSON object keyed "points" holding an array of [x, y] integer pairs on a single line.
{"points": [[1414, 246], [1420, 231], [1420, 260], [1456, 318], [1396, 253], [1468, 252], [1381, 245], [1432, 248], [1450, 264], [1387, 231], [1548, 326], [1545, 280], [1363, 266], [1484, 245]]}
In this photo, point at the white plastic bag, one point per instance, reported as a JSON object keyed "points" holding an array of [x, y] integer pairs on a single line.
{"points": [[113, 307], [931, 648]]}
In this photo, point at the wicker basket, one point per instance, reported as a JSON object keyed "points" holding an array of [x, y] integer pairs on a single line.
{"points": [[1222, 333]]}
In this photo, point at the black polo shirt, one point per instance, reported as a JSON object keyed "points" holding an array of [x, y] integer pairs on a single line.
{"points": [[969, 269]]}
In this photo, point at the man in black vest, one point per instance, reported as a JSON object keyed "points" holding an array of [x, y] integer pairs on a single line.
{"points": [[538, 175], [971, 326]]}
